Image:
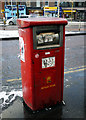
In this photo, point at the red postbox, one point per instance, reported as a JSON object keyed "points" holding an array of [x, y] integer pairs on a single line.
{"points": [[42, 43]]}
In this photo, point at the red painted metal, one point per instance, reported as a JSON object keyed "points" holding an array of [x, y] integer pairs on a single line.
{"points": [[42, 87], [40, 21]]}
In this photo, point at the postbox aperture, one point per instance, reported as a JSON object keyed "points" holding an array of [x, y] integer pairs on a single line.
{"points": [[47, 36]]}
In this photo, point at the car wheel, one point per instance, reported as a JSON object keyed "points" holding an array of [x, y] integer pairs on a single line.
{"points": [[11, 23]]}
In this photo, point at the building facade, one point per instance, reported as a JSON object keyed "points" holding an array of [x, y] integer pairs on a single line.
{"points": [[11, 10], [2, 10], [70, 10], [74, 10]]}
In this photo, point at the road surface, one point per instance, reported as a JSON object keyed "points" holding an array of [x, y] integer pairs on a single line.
{"points": [[73, 80]]}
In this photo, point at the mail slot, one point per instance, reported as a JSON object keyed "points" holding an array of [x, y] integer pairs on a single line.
{"points": [[42, 43]]}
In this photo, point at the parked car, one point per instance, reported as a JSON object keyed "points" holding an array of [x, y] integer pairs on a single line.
{"points": [[11, 21], [26, 16]]}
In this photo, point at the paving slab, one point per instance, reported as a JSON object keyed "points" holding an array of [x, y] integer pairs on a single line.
{"points": [[13, 34]]}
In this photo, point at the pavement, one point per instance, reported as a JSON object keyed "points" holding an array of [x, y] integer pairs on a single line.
{"points": [[9, 34], [13, 34]]}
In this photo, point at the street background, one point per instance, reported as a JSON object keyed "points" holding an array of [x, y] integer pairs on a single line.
{"points": [[11, 100]]}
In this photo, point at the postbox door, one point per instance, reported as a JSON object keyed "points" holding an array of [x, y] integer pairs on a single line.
{"points": [[47, 70]]}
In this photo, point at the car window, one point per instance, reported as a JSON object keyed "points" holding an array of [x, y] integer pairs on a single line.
{"points": [[23, 16]]}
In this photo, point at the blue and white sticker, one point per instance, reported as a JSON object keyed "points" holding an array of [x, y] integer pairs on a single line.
{"points": [[22, 50]]}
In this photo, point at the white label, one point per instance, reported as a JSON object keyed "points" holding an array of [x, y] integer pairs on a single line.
{"points": [[48, 62], [22, 51], [47, 53]]}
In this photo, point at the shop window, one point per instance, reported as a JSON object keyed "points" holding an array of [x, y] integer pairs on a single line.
{"points": [[80, 4], [33, 4], [46, 4], [69, 4], [84, 4], [66, 4], [28, 3], [85, 16], [62, 4], [55, 3], [38, 3], [74, 4]]}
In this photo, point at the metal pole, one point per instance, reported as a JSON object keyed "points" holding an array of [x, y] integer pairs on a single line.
{"points": [[72, 11], [79, 24], [58, 7], [17, 10], [11, 8]]}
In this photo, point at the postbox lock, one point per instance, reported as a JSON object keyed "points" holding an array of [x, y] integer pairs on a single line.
{"points": [[36, 55]]}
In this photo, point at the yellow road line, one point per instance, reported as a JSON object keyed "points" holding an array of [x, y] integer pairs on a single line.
{"points": [[11, 80], [71, 70], [77, 67], [78, 70]]}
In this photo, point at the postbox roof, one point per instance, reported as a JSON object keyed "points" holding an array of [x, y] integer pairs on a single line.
{"points": [[27, 22]]}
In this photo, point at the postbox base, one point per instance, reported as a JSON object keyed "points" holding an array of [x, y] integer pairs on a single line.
{"points": [[43, 107]]}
